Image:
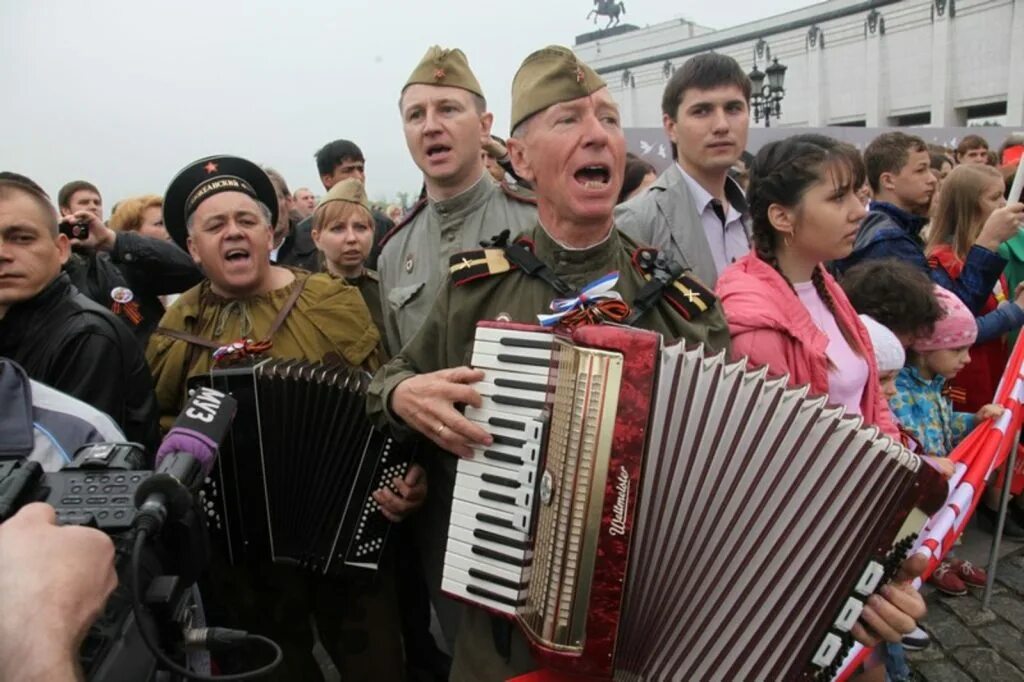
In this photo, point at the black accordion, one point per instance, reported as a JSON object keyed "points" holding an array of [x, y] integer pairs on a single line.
{"points": [[295, 478]]}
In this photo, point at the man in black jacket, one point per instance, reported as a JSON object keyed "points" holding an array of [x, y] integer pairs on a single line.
{"points": [[125, 272], [56, 334], [335, 161]]}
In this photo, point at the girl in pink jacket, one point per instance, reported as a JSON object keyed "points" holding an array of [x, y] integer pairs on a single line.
{"points": [[784, 310]]}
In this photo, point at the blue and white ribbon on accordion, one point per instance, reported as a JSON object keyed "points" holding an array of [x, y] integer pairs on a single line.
{"points": [[595, 292]]}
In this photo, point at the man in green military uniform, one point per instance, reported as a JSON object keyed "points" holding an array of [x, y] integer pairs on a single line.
{"points": [[446, 123], [222, 209], [568, 143]]}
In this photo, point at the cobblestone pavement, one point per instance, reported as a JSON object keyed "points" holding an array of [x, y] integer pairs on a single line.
{"points": [[969, 643]]}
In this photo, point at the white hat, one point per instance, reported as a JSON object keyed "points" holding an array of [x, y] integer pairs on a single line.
{"points": [[888, 350]]}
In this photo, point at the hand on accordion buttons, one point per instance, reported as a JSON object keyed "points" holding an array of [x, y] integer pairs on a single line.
{"points": [[426, 402], [412, 490], [895, 609]]}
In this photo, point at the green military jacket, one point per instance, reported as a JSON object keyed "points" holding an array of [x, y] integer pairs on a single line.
{"points": [[445, 340], [446, 336], [368, 284], [414, 257], [329, 323]]}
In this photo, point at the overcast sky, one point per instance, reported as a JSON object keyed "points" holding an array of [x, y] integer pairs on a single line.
{"points": [[126, 93]]}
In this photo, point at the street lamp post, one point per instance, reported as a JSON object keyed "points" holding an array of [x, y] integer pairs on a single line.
{"points": [[766, 98]]}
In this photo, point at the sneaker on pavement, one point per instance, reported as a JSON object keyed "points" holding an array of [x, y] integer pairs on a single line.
{"points": [[946, 581], [969, 573], [918, 640]]}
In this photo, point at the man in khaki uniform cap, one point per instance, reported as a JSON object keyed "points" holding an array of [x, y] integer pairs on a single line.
{"points": [[446, 123], [567, 142]]}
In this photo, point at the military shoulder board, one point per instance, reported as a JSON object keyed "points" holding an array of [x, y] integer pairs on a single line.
{"points": [[467, 266], [683, 291]]}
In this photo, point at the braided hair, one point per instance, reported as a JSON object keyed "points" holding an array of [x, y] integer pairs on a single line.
{"points": [[781, 174]]}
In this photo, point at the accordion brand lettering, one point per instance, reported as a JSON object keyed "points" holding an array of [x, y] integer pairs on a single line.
{"points": [[618, 526]]}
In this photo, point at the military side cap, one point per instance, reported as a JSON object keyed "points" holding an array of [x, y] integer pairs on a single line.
{"points": [[550, 76], [441, 66], [206, 177], [350, 190]]}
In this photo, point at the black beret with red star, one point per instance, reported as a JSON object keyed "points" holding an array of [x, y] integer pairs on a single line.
{"points": [[201, 179]]}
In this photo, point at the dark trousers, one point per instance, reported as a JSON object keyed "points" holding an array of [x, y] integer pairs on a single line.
{"points": [[425, 662], [355, 617]]}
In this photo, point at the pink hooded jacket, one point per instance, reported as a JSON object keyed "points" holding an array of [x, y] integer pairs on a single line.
{"points": [[770, 326]]}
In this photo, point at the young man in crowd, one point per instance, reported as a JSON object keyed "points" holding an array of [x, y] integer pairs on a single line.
{"points": [[695, 211], [125, 272], [55, 333], [972, 149], [335, 161], [899, 171]]}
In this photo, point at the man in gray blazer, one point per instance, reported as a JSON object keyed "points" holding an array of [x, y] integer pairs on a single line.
{"points": [[694, 210]]}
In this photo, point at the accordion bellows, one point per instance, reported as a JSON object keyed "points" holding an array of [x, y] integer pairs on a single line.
{"points": [[293, 483], [690, 518]]}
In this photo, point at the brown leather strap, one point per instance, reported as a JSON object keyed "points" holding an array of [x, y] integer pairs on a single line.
{"points": [[293, 298], [188, 338], [282, 314]]}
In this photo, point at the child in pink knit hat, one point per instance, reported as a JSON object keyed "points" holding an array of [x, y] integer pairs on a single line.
{"points": [[928, 415], [954, 333]]}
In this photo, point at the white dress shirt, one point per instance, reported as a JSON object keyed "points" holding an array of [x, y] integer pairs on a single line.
{"points": [[729, 241]]}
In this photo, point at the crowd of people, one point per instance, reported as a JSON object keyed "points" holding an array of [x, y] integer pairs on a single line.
{"points": [[890, 280]]}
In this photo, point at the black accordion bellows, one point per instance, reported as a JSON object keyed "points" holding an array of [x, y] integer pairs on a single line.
{"points": [[294, 480]]}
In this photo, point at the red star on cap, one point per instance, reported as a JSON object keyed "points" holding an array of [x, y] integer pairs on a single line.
{"points": [[210, 168], [439, 74]]}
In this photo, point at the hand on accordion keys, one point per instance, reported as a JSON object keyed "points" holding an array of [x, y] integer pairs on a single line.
{"points": [[426, 402], [412, 491], [895, 610]]}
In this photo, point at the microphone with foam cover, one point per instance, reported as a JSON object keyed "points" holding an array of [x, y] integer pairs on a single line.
{"points": [[184, 458], [200, 428]]}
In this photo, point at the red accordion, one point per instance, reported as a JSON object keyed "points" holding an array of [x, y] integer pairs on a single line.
{"points": [[655, 513]]}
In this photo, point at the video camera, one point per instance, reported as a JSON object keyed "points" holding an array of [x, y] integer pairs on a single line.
{"points": [[98, 489], [160, 539]]}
